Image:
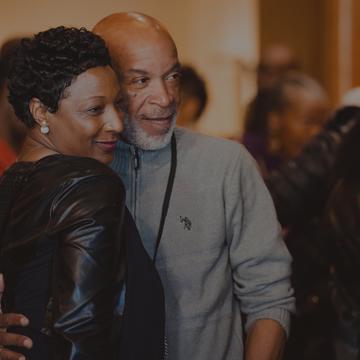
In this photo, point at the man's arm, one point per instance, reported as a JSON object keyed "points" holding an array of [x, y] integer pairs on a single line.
{"points": [[260, 261], [265, 340], [6, 339]]}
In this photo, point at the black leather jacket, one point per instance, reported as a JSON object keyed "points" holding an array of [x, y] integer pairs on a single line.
{"points": [[342, 225], [67, 249]]}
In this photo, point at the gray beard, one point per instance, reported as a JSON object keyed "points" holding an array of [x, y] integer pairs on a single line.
{"points": [[135, 135]]}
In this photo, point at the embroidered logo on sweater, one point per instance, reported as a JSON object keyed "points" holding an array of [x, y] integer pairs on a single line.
{"points": [[186, 222]]}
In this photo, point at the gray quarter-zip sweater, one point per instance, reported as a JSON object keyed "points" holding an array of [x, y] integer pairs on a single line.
{"points": [[221, 251]]}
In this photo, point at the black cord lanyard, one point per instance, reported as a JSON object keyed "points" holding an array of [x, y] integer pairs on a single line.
{"points": [[167, 196]]}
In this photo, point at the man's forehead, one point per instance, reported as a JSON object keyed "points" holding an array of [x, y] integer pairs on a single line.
{"points": [[140, 52]]}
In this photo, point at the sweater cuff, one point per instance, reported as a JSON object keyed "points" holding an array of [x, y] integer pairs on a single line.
{"points": [[282, 316]]}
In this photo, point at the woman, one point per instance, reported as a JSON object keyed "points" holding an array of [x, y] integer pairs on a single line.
{"points": [[282, 119], [342, 233], [68, 244]]}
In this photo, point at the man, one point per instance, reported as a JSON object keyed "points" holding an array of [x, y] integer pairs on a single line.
{"points": [[220, 252], [276, 60], [194, 98]]}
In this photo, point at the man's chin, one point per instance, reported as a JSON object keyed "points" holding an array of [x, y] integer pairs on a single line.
{"points": [[141, 139]]}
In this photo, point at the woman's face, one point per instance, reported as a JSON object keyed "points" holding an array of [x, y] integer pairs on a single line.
{"points": [[301, 121], [89, 120]]}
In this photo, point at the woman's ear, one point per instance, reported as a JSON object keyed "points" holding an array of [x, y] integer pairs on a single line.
{"points": [[38, 111]]}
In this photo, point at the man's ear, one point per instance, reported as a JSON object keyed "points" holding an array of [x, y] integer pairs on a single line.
{"points": [[38, 111]]}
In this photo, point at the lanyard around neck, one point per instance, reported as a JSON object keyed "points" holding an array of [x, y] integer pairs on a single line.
{"points": [[167, 196]]}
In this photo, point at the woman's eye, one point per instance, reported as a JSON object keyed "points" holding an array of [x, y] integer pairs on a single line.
{"points": [[95, 110]]}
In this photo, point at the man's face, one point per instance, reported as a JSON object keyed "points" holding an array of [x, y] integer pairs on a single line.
{"points": [[149, 73]]}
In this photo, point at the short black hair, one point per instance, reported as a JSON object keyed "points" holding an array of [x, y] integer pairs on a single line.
{"points": [[43, 66], [193, 85]]}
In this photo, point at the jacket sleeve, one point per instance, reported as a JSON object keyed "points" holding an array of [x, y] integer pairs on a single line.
{"points": [[259, 259], [299, 188], [86, 221]]}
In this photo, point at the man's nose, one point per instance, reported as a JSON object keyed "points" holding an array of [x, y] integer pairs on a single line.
{"points": [[160, 94]]}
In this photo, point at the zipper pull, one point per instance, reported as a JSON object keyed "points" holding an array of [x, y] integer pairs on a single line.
{"points": [[136, 159]]}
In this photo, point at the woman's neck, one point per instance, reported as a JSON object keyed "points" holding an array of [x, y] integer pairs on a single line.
{"points": [[33, 150]]}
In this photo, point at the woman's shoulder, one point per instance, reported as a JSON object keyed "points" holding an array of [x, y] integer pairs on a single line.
{"points": [[56, 174], [62, 168], [72, 171]]}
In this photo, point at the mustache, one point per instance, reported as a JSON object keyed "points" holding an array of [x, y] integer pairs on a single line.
{"points": [[157, 112]]}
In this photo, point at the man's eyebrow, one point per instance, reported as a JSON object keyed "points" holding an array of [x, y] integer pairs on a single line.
{"points": [[136, 71], [175, 67], [97, 97]]}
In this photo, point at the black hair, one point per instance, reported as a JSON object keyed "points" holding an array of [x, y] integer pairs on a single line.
{"points": [[193, 85], [276, 99], [43, 66]]}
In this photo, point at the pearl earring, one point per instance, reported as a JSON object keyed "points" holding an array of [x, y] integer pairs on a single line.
{"points": [[44, 128]]}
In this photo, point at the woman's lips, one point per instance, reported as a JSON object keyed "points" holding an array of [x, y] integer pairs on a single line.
{"points": [[106, 146]]}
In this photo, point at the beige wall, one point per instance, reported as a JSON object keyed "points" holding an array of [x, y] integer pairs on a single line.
{"points": [[216, 36]]}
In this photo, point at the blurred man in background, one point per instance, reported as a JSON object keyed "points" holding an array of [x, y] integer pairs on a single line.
{"points": [[275, 61], [194, 98]]}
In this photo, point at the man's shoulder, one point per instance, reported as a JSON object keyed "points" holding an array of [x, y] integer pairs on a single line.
{"points": [[194, 141]]}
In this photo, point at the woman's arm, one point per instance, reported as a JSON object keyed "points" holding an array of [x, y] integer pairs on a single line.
{"points": [[88, 271]]}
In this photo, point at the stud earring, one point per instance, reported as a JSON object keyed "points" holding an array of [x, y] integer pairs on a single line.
{"points": [[44, 128]]}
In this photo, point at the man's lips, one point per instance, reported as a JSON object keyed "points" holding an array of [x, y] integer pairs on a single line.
{"points": [[107, 146], [160, 118], [159, 125]]}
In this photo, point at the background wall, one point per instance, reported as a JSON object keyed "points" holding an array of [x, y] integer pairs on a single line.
{"points": [[299, 25], [324, 34], [219, 38]]}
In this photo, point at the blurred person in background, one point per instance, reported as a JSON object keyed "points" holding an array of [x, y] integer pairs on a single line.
{"points": [[7, 156], [300, 189], [12, 131], [282, 119], [342, 231], [275, 61], [194, 97]]}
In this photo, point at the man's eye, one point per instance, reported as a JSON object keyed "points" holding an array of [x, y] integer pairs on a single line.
{"points": [[140, 82], [173, 76]]}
